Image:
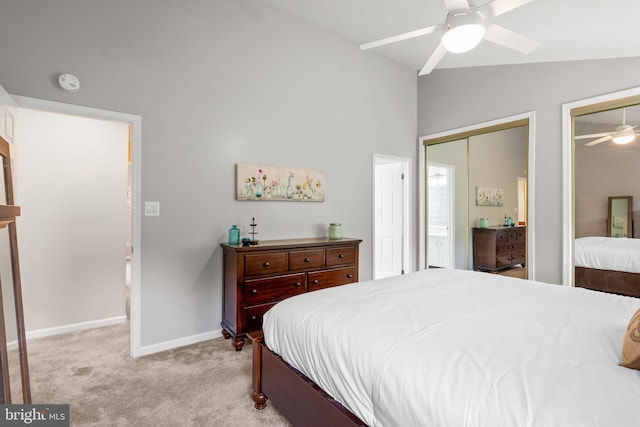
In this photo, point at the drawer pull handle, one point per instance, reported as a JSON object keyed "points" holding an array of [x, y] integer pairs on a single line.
{"points": [[254, 317], [255, 291], [266, 264], [341, 256], [298, 284], [316, 281], [349, 276], [307, 260]]}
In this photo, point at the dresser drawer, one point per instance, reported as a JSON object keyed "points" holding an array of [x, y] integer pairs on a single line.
{"points": [[521, 234], [273, 289], [502, 237], [502, 250], [303, 260], [265, 263], [253, 317], [345, 255], [504, 260], [330, 278]]}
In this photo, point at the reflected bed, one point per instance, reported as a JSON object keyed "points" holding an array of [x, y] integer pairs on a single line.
{"points": [[609, 264]]}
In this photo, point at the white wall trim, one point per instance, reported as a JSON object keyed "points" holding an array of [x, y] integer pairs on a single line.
{"points": [[568, 196], [407, 263], [531, 116], [135, 123], [180, 342], [72, 327]]}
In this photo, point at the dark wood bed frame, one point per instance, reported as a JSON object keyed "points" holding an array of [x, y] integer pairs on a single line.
{"points": [[295, 396], [614, 282], [302, 402]]}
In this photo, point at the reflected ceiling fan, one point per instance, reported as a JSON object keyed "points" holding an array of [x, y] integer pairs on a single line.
{"points": [[466, 24], [623, 134]]}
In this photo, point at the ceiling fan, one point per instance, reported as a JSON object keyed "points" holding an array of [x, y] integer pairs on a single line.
{"points": [[466, 24], [623, 134]]}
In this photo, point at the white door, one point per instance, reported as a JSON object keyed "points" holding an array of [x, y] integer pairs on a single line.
{"points": [[389, 217], [440, 222]]}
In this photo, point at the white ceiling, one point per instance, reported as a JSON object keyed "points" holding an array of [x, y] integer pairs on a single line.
{"points": [[565, 29]]}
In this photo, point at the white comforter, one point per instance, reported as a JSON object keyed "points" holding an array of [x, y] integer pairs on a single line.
{"points": [[451, 348], [608, 253]]}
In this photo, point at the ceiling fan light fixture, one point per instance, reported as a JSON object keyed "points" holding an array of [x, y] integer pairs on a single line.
{"points": [[624, 135], [463, 31], [623, 139]]}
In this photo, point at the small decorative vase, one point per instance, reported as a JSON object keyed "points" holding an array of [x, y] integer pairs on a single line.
{"points": [[335, 231], [234, 235], [258, 189]]}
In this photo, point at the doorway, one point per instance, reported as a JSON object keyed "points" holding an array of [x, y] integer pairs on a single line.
{"points": [[133, 136], [441, 228], [391, 216]]}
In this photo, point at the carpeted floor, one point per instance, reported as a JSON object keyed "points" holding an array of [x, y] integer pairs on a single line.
{"points": [[206, 384]]}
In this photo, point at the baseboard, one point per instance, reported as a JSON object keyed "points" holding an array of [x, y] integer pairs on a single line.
{"points": [[47, 332], [180, 342]]}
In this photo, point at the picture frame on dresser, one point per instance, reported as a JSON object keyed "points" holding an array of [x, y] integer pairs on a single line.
{"points": [[257, 277]]}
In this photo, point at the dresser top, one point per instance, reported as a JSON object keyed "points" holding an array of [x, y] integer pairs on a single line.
{"points": [[291, 243], [501, 227]]}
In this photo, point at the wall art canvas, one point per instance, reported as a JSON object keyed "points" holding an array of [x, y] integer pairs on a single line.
{"points": [[486, 196], [262, 182]]}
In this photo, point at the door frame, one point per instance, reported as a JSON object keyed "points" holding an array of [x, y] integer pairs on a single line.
{"points": [[135, 129], [479, 128], [406, 238]]}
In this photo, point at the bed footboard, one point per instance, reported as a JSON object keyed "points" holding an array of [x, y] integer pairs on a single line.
{"points": [[294, 395], [615, 282]]}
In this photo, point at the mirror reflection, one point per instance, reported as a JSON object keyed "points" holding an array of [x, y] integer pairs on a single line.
{"points": [[478, 186], [620, 217], [447, 190], [604, 168], [606, 151]]}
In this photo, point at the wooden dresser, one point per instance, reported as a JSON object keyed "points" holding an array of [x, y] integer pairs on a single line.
{"points": [[496, 248], [257, 277]]}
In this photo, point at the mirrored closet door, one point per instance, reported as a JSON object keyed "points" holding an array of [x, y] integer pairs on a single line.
{"points": [[478, 180]]}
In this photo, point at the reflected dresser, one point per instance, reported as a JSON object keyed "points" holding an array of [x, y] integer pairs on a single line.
{"points": [[497, 248]]}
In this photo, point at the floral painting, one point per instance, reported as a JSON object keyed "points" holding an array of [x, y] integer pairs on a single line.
{"points": [[261, 182], [486, 196]]}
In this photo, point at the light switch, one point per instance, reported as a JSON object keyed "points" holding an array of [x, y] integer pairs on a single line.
{"points": [[151, 208]]}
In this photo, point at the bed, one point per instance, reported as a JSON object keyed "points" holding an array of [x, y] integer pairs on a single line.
{"points": [[448, 348], [609, 264]]}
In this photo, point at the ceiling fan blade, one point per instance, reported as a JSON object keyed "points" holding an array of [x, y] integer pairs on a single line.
{"points": [[507, 38], [498, 7], [436, 56], [594, 135], [598, 141], [453, 5], [400, 37]]}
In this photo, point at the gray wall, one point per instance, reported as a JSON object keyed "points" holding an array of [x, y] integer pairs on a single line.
{"points": [[218, 83], [454, 98]]}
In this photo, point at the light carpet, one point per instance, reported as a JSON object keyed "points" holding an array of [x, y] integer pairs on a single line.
{"points": [[205, 384]]}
